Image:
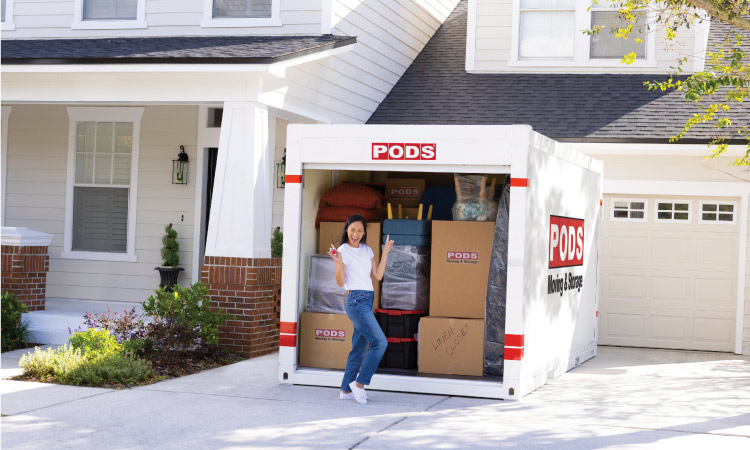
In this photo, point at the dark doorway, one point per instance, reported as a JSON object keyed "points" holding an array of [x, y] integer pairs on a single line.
{"points": [[211, 156]]}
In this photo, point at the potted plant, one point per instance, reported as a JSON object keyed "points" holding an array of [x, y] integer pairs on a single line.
{"points": [[170, 259]]}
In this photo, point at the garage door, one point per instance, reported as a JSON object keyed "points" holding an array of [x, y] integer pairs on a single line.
{"points": [[669, 272]]}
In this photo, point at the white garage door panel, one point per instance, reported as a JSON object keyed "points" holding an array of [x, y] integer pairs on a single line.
{"points": [[667, 285]]}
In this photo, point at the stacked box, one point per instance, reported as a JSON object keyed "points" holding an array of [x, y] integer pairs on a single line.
{"points": [[397, 323], [323, 294], [401, 354]]}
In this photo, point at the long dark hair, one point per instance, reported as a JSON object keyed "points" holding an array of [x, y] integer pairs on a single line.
{"points": [[349, 221]]}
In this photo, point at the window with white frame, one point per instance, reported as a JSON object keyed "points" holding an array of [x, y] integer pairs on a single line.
{"points": [[7, 15], [241, 13], [604, 44], [102, 180], [718, 212], [546, 28], [629, 209], [549, 31], [677, 211], [104, 14]]}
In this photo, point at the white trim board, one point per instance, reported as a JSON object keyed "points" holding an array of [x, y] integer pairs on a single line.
{"points": [[701, 189], [6, 118], [471, 35], [652, 149]]}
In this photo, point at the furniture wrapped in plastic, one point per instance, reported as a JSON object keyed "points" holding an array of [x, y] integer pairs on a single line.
{"points": [[494, 334], [407, 226], [407, 263], [408, 295], [474, 201], [323, 294]]}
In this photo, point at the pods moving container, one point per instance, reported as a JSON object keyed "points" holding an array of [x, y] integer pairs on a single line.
{"points": [[552, 233]]}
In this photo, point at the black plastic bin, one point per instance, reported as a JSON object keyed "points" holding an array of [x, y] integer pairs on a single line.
{"points": [[397, 323], [400, 354]]}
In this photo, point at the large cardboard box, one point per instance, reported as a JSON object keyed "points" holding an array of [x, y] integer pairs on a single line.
{"points": [[460, 265], [451, 346], [406, 191], [330, 233], [325, 340]]}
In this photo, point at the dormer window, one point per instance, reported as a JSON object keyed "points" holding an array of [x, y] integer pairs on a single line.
{"points": [[241, 13], [109, 14], [548, 33]]}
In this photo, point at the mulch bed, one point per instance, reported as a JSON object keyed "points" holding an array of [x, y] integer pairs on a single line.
{"points": [[168, 367]]}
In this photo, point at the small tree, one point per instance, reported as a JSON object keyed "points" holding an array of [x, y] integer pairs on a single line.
{"points": [[277, 243], [170, 247]]}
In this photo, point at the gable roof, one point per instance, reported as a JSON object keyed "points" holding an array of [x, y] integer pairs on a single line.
{"points": [[436, 89], [171, 50]]}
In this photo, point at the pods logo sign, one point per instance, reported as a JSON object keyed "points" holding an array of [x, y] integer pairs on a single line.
{"points": [[330, 333], [383, 151], [565, 242]]}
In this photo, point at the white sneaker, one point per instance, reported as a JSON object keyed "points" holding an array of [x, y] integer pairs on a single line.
{"points": [[360, 396], [349, 396]]}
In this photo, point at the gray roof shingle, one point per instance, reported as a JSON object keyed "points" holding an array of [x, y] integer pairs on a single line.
{"points": [[436, 89], [179, 50]]}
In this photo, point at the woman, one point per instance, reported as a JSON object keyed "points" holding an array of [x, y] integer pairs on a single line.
{"points": [[355, 262]]}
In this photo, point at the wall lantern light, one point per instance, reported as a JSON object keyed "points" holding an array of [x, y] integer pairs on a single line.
{"points": [[281, 172], [180, 167]]}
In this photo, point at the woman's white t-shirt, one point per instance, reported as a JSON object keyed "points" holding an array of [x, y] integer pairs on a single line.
{"points": [[358, 262]]}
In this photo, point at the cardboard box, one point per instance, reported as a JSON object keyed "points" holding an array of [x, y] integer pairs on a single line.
{"points": [[330, 233], [460, 265], [325, 340], [406, 191], [451, 346]]}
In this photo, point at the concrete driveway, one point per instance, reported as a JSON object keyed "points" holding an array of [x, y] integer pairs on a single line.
{"points": [[624, 398]]}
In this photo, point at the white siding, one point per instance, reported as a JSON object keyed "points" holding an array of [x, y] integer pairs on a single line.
{"points": [[494, 37], [347, 88], [53, 19], [37, 153]]}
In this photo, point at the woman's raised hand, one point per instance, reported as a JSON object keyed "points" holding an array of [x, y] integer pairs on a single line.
{"points": [[335, 254], [388, 244]]}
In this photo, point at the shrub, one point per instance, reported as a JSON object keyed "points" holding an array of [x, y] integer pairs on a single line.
{"points": [[95, 343], [15, 332], [277, 243], [170, 247], [183, 318], [70, 365], [126, 326]]}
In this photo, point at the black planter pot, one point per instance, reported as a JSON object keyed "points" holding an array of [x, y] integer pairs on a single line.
{"points": [[168, 276]]}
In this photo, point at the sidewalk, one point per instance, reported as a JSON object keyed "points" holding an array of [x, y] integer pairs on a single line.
{"points": [[624, 398]]}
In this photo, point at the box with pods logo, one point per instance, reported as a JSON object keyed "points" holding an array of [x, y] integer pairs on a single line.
{"points": [[460, 266], [404, 191], [325, 340]]}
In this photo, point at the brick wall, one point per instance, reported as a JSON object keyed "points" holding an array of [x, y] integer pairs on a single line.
{"points": [[250, 290], [24, 273]]}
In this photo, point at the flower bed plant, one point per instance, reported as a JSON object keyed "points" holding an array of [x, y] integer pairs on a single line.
{"points": [[178, 336], [15, 332]]}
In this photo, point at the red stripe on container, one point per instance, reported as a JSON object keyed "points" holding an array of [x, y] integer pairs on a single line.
{"points": [[293, 179], [597, 314], [601, 202], [513, 354], [288, 327], [519, 182], [514, 340], [288, 340]]}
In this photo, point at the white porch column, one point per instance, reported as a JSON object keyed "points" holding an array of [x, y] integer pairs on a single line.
{"points": [[240, 221]]}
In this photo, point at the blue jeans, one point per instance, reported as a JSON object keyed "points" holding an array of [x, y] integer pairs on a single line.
{"points": [[367, 332]]}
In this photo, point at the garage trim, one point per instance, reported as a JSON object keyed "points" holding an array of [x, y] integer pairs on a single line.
{"points": [[701, 189]]}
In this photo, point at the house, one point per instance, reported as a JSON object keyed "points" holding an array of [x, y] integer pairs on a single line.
{"points": [[100, 96], [674, 244]]}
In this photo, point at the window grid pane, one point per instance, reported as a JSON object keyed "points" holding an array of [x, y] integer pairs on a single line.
{"points": [[242, 8], [718, 212], [605, 45], [96, 143], [546, 34], [110, 9]]}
